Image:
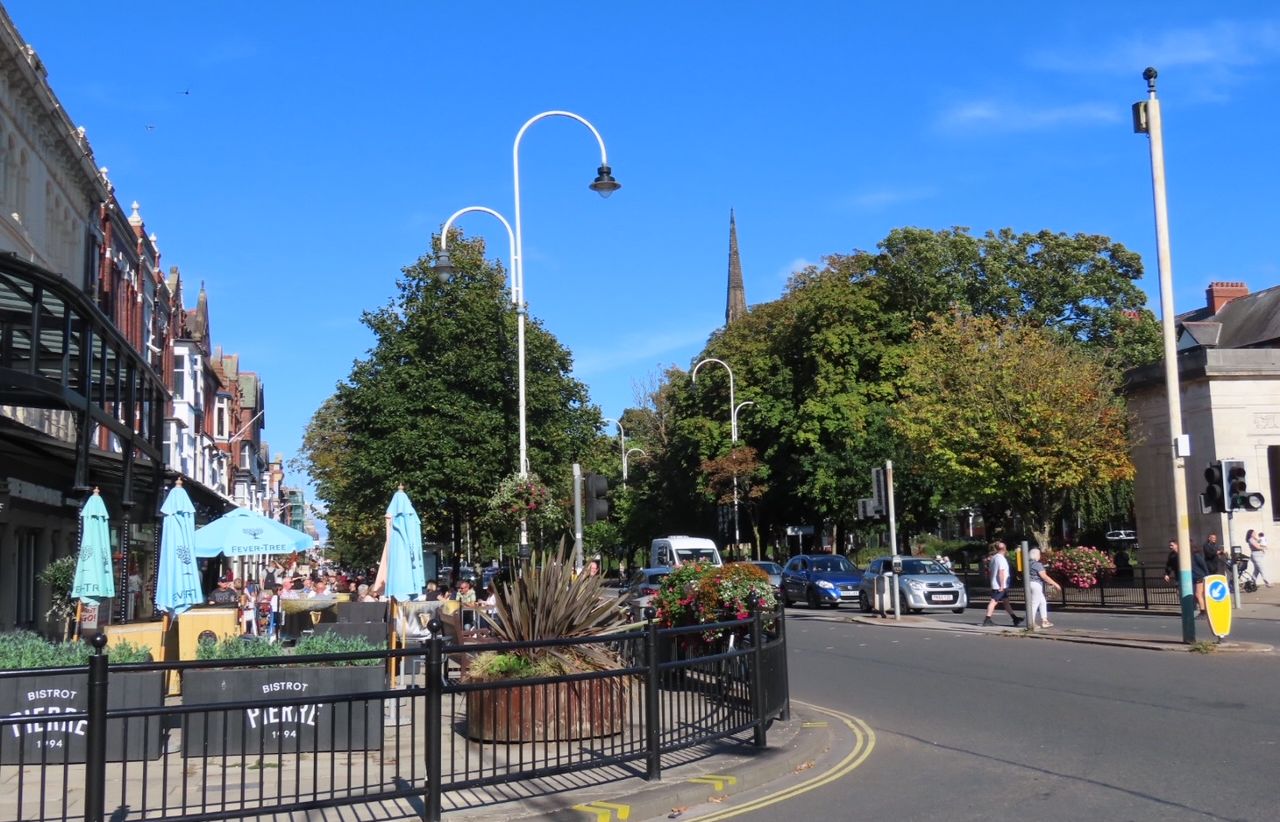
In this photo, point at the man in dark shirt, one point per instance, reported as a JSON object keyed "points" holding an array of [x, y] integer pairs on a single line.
{"points": [[223, 595], [1213, 555]]}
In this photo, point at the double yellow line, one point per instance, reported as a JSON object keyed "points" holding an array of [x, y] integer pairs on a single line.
{"points": [[864, 743]]}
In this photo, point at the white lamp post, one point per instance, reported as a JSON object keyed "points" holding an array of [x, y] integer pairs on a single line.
{"points": [[604, 184], [1147, 120], [734, 408], [625, 457], [622, 445]]}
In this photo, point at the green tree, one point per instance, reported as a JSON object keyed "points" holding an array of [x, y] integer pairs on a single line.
{"points": [[433, 406], [1011, 413]]}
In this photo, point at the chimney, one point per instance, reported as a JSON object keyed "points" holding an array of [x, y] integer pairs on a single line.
{"points": [[1220, 294]]}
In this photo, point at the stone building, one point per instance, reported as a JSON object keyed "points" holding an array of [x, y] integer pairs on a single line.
{"points": [[1229, 373]]}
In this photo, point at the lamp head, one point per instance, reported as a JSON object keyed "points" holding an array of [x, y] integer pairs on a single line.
{"points": [[604, 184], [444, 268]]}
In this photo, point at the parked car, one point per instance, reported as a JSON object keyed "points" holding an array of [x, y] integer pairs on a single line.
{"points": [[642, 588], [774, 570], [820, 579], [924, 585]]}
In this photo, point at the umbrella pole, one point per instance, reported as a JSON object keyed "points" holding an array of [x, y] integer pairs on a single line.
{"points": [[75, 632]]}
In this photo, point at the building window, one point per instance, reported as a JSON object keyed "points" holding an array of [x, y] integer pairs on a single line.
{"points": [[220, 418], [246, 456], [179, 377]]}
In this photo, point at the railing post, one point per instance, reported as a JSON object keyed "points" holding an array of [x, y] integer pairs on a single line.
{"points": [[1146, 600], [435, 703], [95, 762], [652, 722], [785, 714], [1102, 587], [757, 676]]}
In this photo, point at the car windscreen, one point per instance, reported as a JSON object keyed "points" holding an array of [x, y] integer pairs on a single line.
{"points": [[922, 566], [832, 565], [696, 554], [769, 567]]}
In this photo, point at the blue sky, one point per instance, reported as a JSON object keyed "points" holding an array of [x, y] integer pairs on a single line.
{"points": [[321, 144]]}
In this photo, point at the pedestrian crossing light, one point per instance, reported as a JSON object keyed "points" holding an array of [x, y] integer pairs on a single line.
{"points": [[1214, 498], [1239, 497], [597, 503]]}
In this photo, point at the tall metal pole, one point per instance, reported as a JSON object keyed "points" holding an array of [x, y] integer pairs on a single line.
{"points": [[521, 305], [733, 435], [893, 534], [622, 438], [1148, 121], [577, 517]]}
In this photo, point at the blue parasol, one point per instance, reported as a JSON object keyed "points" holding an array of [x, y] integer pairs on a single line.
{"points": [[178, 581], [244, 533], [401, 568], [94, 579]]}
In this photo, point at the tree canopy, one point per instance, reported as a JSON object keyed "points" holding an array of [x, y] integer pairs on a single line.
{"points": [[433, 406]]}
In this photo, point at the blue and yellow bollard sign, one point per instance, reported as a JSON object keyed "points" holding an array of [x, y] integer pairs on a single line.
{"points": [[1217, 601]]}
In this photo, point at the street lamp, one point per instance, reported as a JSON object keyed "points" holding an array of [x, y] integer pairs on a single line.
{"points": [[734, 408], [1146, 120], [622, 445], [625, 455]]}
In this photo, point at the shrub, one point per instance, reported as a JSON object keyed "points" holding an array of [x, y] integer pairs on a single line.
{"points": [[233, 647], [546, 601], [24, 650], [318, 644], [1078, 566]]}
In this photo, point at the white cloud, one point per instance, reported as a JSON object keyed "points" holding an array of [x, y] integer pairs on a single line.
{"points": [[798, 264], [1222, 44], [632, 349], [990, 115]]}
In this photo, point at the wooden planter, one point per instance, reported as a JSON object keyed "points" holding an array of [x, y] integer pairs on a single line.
{"points": [[555, 712], [55, 741], [324, 725]]}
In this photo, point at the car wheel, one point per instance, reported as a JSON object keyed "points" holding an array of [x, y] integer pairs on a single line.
{"points": [[957, 610], [864, 603], [786, 600], [812, 597]]}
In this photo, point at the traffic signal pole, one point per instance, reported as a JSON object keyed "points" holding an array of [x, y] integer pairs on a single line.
{"points": [[577, 518]]}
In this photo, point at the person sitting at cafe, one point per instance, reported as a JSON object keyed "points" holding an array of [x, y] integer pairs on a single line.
{"points": [[433, 591], [308, 588], [465, 595], [444, 594], [224, 594]]}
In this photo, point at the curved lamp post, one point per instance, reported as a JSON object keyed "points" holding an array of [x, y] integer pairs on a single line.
{"points": [[734, 408], [604, 184], [626, 458]]}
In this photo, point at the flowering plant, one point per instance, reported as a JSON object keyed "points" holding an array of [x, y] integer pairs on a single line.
{"points": [[518, 498], [697, 593], [1079, 566]]}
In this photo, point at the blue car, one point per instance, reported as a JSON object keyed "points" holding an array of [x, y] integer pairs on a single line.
{"points": [[821, 579]]}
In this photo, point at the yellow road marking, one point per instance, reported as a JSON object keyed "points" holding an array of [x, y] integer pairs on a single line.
{"points": [[718, 780], [602, 814], [624, 811], [604, 810], [865, 743], [813, 724]]}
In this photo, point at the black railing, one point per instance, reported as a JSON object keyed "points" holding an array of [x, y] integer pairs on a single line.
{"points": [[260, 736], [1138, 587]]}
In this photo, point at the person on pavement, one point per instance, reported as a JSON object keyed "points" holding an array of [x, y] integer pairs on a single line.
{"points": [[1199, 570], [1000, 578], [1038, 577], [1256, 553], [1213, 555], [1171, 564]]}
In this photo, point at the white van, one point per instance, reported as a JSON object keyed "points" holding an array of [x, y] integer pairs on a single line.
{"points": [[678, 549]]}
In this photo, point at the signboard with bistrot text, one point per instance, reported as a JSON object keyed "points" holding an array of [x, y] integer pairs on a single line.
{"points": [[1217, 602]]}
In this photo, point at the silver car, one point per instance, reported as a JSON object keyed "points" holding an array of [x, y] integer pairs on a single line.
{"points": [[774, 570], [924, 585]]}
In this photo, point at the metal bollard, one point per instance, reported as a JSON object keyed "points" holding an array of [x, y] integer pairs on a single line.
{"points": [[95, 763]]}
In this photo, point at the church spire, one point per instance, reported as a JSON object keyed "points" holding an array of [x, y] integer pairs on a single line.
{"points": [[736, 306]]}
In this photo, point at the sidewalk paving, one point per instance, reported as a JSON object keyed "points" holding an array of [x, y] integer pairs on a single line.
{"points": [[1264, 605]]}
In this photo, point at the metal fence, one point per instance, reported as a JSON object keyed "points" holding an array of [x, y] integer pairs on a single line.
{"points": [[262, 736], [1141, 588]]}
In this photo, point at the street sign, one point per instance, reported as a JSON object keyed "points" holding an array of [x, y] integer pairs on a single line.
{"points": [[1217, 601]]}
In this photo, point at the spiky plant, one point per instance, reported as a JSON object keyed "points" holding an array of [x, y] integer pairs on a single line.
{"points": [[546, 601]]}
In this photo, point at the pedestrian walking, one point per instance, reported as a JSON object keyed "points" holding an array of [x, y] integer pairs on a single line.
{"points": [[1256, 553], [1038, 577], [1171, 563], [1199, 570], [1000, 579]]}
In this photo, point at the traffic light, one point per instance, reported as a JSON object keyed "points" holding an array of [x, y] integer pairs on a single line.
{"points": [[1214, 498], [597, 502], [1239, 498]]}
